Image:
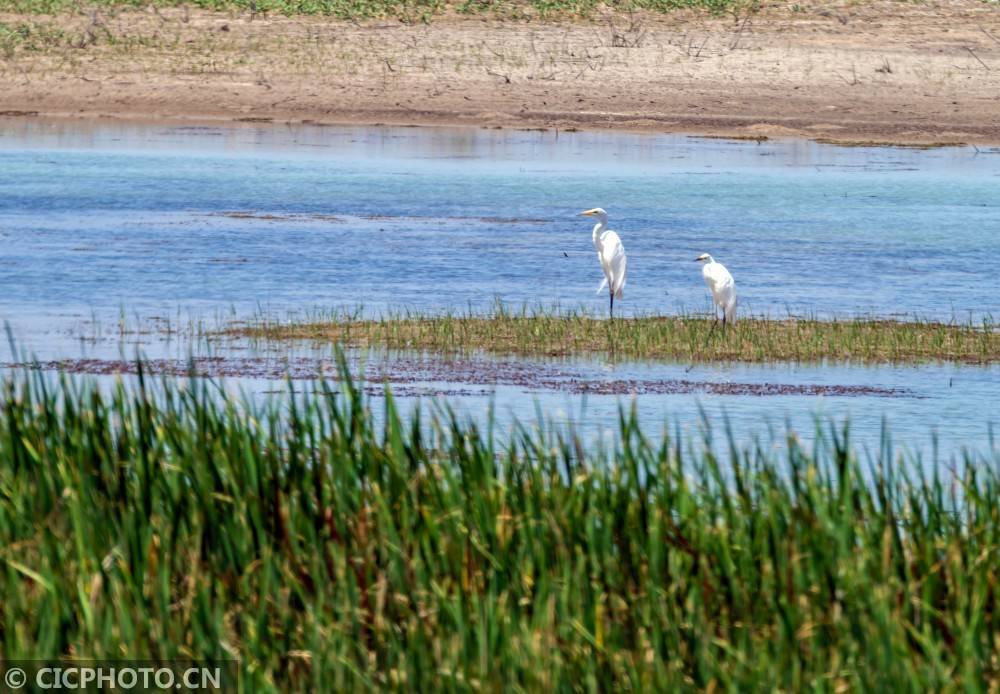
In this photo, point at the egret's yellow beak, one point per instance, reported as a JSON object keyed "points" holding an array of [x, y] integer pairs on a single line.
{"points": [[587, 213]]}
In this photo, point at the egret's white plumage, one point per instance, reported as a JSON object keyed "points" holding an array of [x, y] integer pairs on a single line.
{"points": [[611, 255], [722, 286]]}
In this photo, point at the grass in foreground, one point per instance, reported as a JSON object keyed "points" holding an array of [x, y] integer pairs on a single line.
{"points": [[328, 552], [666, 338]]}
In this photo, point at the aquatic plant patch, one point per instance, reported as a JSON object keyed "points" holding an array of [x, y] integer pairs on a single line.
{"points": [[696, 338], [323, 547]]}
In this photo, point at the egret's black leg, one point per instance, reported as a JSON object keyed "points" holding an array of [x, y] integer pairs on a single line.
{"points": [[612, 293], [714, 323]]}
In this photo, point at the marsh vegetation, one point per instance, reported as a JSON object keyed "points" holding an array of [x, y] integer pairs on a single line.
{"points": [[322, 546], [687, 337]]}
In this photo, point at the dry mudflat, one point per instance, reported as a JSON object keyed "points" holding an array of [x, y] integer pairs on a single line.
{"points": [[890, 72]]}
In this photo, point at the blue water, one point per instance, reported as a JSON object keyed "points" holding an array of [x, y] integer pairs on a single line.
{"points": [[103, 220]]}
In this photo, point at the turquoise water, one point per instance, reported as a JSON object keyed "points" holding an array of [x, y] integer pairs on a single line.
{"points": [[206, 223]]}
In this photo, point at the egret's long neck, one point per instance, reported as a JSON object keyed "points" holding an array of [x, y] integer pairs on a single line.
{"points": [[602, 223]]}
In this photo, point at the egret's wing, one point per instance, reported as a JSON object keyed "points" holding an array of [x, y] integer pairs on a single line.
{"points": [[717, 277], [730, 308], [619, 264], [604, 269], [706, 274], [610, 240], [727, 294], [724, 282], [614, 261], [722, 285]]}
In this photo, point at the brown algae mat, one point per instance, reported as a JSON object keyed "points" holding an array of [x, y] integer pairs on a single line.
{"points": [[864, 341], [417, 376]]}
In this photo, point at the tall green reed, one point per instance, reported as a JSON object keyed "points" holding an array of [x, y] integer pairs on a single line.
{"points": [[325, 546]]}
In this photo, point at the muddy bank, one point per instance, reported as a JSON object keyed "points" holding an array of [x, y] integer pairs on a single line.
{"points": [[882, 71], [420, 376]]}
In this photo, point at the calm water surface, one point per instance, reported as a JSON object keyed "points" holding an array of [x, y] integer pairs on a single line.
{"points": [[207, 223]]}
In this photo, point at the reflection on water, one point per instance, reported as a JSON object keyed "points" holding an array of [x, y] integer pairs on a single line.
{"points": [[100, 223]]}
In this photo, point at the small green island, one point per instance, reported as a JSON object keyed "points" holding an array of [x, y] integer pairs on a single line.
{"points": [[675, 338]]}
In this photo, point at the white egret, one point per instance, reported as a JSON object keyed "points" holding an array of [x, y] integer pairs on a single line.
{"points": [[722, 286], [611, 255]]}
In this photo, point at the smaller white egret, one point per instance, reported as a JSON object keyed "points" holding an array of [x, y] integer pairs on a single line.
{"points": [[611, 255], [722, 286]]}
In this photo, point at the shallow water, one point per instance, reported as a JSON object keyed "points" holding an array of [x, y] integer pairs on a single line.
{"points": [[99, 221], [932, 412]]}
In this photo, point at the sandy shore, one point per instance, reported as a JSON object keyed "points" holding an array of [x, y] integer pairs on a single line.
{"points": [[889, 72]]}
